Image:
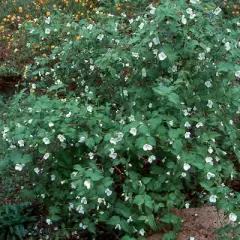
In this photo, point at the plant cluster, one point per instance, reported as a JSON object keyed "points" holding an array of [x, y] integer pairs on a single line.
{"points": [[122, 116]]}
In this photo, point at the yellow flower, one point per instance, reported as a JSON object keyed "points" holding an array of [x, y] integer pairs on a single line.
{"points": [[78, 37], [1, 28], [20, 9], [48, 14]]}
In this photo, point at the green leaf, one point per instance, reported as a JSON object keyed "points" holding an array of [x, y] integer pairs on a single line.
{"points": [[151, 222], [114, 220], [139, 200]]}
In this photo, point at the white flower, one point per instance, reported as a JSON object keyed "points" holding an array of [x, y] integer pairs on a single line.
{"points": [[125, 92], [209, 160], [210, 103], [192, 16], [48, 221], [189, 11], [156, 40], [69, 115], [231, 122], [151, 158], [46, 156], [131, 21], [46, 140], [112, 154], [232, 217], [213, 198], [237, 74], [119, 136], [133, 131], [210, 175], [80, 209], [47, 20], [89, 108], [37, 170], [184, 20], [144, 72], [5, 129], [174, 68], [141, 26], [108, 192], [21, 143], [84, 200], [100, 37], [198, 125], [187, 125], [186, 166], [19, 167], [194, 1], [50, 124], [162, 56], [185, 112], [91, 67], [227, 46], [153, 9], [81, 139], [87, 184], [187, 135], [141, 232], [113, 140], [89, 27], [208, 84], [129, 219], [183, 174], [210, 150], [208, 49], [201, 56], [217, 11], [147, 147], [171, 123], [187, 205], [61, 138], [131, 118], [47, 31], [53, 177], [34, 86], [91, 155], [150, 105], [134, 54], [118, 226], [82, 226]]}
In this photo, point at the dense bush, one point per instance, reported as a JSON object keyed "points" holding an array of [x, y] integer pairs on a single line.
{"points": [[123, 116]]}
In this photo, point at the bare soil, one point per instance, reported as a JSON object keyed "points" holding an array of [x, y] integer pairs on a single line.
{"points": [[199, 223]]}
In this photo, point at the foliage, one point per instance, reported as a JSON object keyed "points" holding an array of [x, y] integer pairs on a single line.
{"points": [[13, 219], [122, 116]]}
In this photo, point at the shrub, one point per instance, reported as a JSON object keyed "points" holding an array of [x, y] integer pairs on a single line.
{"points": [[122, 116]]}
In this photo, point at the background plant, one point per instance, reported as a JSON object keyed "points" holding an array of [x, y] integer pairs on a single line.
{"points": [[123, 115]]}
